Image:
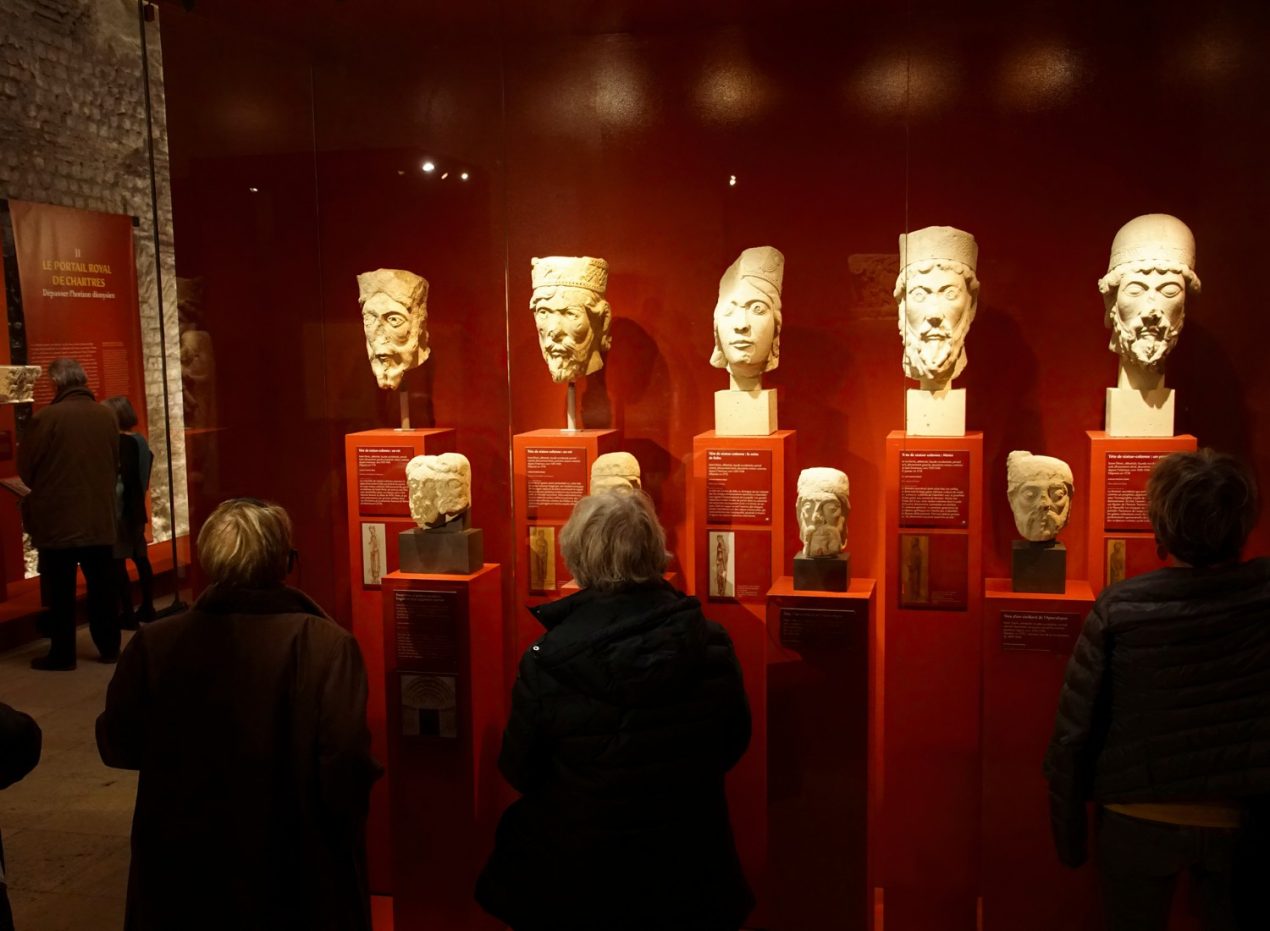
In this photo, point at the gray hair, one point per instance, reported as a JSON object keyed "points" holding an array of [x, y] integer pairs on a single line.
{"points": [[612, 540], [67, 373], [246, 543]]}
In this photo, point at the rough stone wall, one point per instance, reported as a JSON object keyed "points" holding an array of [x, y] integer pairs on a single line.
{"points": [[73, 132]]}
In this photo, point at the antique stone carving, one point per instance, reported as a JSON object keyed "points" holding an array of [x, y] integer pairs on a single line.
{"points": [[747, 317], [938, 294], [17, 383], [824, 501], [614, 470], [440, 489], [395, 319], [1040, 492], [1149, 275], [571, 314]]}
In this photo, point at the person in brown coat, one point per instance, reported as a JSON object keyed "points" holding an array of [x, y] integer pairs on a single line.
{"points": [[246, 717], [69, 457]]}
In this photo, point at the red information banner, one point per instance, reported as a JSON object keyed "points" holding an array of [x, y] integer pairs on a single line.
{"points": [[79, 297], [739, 486], [1127, 475], [934, 488], [1039, 631], [934, 571], [555, 480], [381, 480], [822, 628]]}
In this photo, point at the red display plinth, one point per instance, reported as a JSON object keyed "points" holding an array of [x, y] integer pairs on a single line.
{"points": [[820, 701], [443, 668], [1027, 639], [735, 549], [929, 658], [1121, 543], [552, 470], [378, 509]]}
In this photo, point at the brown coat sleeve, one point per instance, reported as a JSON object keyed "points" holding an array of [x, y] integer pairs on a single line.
{"points": [[346, 768], [121, 727]]}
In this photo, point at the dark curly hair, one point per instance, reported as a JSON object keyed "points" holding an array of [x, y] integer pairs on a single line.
{"points": [[1202, 506]]}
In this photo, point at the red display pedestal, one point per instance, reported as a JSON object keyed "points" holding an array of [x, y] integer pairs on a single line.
{"points": [[929, 652], [1027, 639], [1121, 543], [552, 471], [443, 668], [735, 549], [819, 705], [378, 510]]}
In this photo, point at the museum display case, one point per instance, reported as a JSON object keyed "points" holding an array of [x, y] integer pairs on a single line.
{"points": [[386, 230]]}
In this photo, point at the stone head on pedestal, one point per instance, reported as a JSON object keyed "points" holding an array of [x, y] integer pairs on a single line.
{"points": [[1040, 492], [1149, 275], [440, 489], [614, 471], [395, 320], [938, 294], [747, 317], [571, 314], [824, 501]]}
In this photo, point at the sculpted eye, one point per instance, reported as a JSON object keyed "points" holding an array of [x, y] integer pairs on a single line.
{"points": [[918, 295], [1171, 289], [1134, 289], [395, 320], [757, 307], [951, 293]]}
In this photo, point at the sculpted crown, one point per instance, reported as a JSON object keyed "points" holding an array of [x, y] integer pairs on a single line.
{"points": [[1153, 237], [406, 288], [939, 242], [568, 271], [763, 262]]}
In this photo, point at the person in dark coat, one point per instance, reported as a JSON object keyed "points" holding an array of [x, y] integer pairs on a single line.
{"points": [[246, 717], [131, 490], [626, 714], [1164, 715], [69, 457], [20, 742]]}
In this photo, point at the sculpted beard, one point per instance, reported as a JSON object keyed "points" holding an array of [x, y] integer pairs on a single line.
{"points": [[825, 540], [1146, 345], [931, 353]]}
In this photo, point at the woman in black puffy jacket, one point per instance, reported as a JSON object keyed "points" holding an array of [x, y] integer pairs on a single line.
{"points": [[625, 717]]}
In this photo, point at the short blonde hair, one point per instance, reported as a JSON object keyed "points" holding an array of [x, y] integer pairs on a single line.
{"points": [[245, 543], [614, 539]]}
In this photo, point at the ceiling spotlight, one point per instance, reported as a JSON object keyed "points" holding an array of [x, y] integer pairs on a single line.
{"points": [[444, 175], [463, 177], [429, 167], [254, 190], [731, 180]]}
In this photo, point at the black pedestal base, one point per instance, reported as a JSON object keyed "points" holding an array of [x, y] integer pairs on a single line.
{"points": [[1040, 567], [441, 552], [822, 573]]}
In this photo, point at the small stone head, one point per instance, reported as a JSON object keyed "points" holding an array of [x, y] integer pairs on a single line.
{"points": [[440, 488], [1149, 275], [395, 320], [747, 317], [612, 471], [571, 314], [824, 501], [938, 295], [1040, 492]]}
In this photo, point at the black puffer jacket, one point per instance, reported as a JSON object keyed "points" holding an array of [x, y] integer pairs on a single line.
{"points": [[625, 717], [1166, 696]]}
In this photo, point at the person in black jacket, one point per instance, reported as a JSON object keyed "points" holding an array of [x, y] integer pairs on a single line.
{"points": [[1164, 715], [625, 717], [20, 743], [133, 487]]}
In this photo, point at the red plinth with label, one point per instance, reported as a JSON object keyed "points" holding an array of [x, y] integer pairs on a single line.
{"points": [[552, 470], [378, 510], [820, 701], [740, 494], [443, 666], [1027, 639], [1121, 543], [929, 649]]}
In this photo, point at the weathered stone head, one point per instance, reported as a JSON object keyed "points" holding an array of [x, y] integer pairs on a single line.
{"points": [[938, 294], [395, 320], [614, 471], [440, 488], [1040, 491], [747, 317], [824, 501], [571, 314]]}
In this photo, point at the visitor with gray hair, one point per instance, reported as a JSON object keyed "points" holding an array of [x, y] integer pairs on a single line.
{"points": [[68, 456], [626, 714]]}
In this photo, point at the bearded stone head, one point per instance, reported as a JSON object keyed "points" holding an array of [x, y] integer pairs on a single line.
{"points": [[395, 320], [824, 501], [938, 295], [440, 488], [571, 314]]}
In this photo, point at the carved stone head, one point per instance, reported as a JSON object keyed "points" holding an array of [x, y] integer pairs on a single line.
{"points": [[1149, 275], [824, 501], [440, 488], [395, 319], [17, 383], [614, 470], [571, 314], [938, 294], [1040, 491], [747, 317]]}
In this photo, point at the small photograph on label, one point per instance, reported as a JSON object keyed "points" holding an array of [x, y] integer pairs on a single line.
{"points": [[914, 569], [429, 707], [542, 559], [374, 553], [721, 556], [1115, 561]]}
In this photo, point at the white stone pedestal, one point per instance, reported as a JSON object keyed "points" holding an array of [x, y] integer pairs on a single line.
{"points": [[1133, 412], [935, 413], [739, 412]]}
